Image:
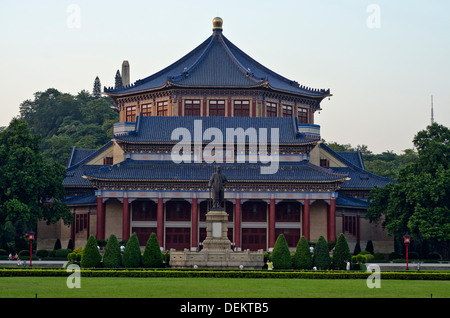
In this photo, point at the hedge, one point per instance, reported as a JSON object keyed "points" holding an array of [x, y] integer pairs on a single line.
{"points": [[226, 274]]}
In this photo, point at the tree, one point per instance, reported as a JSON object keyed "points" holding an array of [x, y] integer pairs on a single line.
{"points": [[30, 189], [302, 257], [132, 255], [341, 252], [369, 247], [420, 202], [97, 90], [91, 256], [112, 257], [118, 80], [152, 254], [281, 256], [321, 254]]}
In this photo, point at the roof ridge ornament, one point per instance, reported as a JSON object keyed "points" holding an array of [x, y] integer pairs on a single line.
{"points": [[217, 24]]}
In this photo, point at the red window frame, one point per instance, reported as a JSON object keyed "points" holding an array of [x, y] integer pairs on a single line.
{"points": [[287, 110], [146, 110], [162, 108], [302, 115], [216, 108], [271, 109], [192, 107], [130, 114], [241, 108]]}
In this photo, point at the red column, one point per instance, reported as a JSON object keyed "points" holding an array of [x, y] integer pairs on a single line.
{"points": [[160, 222], [305, 223], [358, 237], [194, 220], [237, 224], [100, 219], [126, 220], [332, 220], [272, 223]]}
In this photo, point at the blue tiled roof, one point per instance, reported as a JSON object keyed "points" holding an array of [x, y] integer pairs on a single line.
{"points": [[77, 164], [348, 201], [359, 177], [158, 129], [133, 170], [352, 156], [88, 198], [218, 63]]}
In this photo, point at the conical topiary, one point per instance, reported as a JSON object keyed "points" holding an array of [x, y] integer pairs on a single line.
{"points": [[341, 252], [91, 256], [132, 255], [112, 257], [152, 254], [322, 258], [281, 256], [302, 257]]}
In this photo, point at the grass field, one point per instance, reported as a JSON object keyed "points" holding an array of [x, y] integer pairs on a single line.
{"points": [[110, 287]]}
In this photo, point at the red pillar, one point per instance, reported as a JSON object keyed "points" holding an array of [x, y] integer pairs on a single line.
{"points": [[160, 222], [194, 225], [332, 220], [272, 223], [100, 219], [237, 224], [305, 223], [126, 220]]}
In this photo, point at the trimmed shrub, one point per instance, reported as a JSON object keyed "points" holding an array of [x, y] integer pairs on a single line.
{"points": [[281, 256], [112, 257], [132, 255], [152, 254], [378, 256], [41, 253], [369, 247], [302, 258], [91, 256], [24, 253], [57, 245], [341, 252], [321, 254], [357, 249]]}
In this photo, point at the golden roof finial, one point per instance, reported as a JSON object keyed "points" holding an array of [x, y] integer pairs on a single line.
{"points": [[217, 23]]}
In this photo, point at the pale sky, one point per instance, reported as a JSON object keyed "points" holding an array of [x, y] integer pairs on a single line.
{"points": [[382, 60]]}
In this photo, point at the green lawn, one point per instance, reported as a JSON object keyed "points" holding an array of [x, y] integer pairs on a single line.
{"points": [[106, 287]]}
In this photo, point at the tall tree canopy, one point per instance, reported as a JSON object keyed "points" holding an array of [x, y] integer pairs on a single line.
{"points": [[420, 202], [30, 189], [64, 120]]}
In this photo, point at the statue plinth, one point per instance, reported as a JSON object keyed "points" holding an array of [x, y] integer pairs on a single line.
{"points": [[217, 231]]}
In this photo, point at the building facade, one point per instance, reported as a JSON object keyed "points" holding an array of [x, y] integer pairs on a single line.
{"points": [[217, 106]]}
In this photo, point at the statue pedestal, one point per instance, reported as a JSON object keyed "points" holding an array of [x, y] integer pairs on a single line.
{"points": [[217, 231], [217, 252]]}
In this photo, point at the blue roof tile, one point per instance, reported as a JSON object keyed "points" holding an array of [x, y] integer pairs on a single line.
{"points": [[158, 129], [218, 63], [134, 170]]}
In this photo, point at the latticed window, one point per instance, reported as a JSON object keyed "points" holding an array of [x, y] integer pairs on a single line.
{"points": [[216, 108], [302, 115], [130, 114], [192, 107], [81, 222], [350, 224], [287, 111], [241, 108], [271, 109], [162, 108], [146, 110]]}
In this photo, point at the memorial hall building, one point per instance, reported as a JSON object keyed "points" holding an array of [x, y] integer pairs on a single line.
{"points": [[217, 106]]}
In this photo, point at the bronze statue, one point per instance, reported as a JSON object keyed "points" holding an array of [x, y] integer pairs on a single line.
{"points": [[217, 183]]}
